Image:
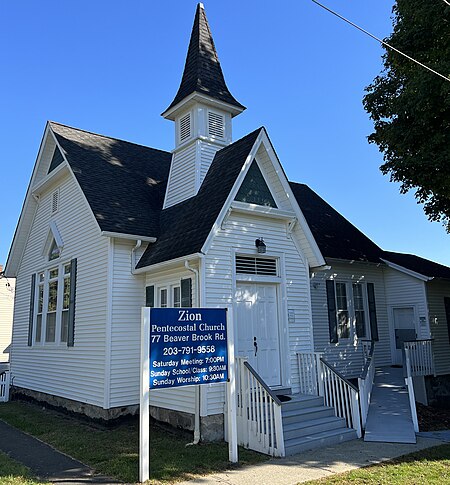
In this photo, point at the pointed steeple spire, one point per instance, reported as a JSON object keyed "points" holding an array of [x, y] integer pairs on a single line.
{"points": [[202, 72]]}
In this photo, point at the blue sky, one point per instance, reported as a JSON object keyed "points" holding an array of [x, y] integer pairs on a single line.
{"points": [[112, 67]]}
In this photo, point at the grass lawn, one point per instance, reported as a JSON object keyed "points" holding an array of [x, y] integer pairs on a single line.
{"points": [[430, 466], [13, 473], [114, 451]]}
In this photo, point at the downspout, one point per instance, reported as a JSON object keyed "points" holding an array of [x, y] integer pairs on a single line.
{"points": [[197, 388], [133, 255]]}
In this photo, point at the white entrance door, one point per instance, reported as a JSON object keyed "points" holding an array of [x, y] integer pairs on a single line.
{"points": [[404, 330], [258, 329]]}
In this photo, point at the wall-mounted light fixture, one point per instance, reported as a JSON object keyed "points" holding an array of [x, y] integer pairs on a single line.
{"points": [[260, 245]]}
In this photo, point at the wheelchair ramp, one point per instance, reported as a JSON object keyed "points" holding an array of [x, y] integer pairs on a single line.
{"points": [[389, 419]]}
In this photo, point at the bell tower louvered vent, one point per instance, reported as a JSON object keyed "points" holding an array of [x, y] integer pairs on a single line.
{"points": [[185, 127], [216, 125], [256, 266]]}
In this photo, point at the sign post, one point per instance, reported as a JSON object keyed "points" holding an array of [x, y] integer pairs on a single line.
{"points": [[183, 347], [144, 401]]}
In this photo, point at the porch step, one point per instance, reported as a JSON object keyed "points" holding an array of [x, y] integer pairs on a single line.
{"points": [[305, 414], [318, 440], [282, 391], [308, 424], [302, 402], [296, 430]]}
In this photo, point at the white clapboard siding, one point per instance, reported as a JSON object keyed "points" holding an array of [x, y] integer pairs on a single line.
{"points": [[77, 372], [407, 291], [181, 184], [7, 287], [346, 355], [207, 152], [179, 398], [240, 233], [437, 290], [128, 297]]}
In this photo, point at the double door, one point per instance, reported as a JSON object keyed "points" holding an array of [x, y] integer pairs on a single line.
{"points": [[258, 332]]}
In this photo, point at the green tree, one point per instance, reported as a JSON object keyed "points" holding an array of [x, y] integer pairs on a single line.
{"points": [[410, 106]]}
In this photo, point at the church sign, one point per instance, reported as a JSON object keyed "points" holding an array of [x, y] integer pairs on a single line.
{"points": [[188, 346]]}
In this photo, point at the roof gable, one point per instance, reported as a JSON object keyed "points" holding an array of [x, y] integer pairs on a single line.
{"points": [[202, 72], [186, 226], [124, 183]]}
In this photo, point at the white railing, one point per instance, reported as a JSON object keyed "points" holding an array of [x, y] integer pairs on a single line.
{"points": [[308, 365], [4, 386], [259, 418], [343, 396], [319, 378], [365, 382], [410, 384], [420, 357], [366, 346]]}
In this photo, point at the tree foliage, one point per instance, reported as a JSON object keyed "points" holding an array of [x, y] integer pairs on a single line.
{"points": [[410, 106]]}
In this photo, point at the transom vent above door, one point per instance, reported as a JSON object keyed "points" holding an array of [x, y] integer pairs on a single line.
{"points": [[256, 266]]}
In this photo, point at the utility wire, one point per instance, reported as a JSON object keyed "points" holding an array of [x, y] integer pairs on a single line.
{"points": [[445, 1], [383, 42]]}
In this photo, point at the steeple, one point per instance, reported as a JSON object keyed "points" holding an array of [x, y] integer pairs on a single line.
{"points": [[202, 74], [202, 111]]}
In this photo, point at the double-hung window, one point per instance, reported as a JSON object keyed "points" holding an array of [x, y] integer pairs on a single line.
{"points": [[53, 305], [170, 296], [350, 309]]}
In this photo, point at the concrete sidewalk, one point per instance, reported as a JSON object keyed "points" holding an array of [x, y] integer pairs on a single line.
{"points": [[315, 464], [45, 462]]}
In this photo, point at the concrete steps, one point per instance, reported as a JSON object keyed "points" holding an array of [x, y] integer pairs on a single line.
{"points": [[308, 424]]}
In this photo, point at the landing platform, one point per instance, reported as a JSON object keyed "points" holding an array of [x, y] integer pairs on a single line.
{"points": [[389, 419]]}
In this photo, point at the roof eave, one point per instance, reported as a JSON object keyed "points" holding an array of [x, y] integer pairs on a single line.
{"points": [[133, 237], [407, 271], [172, 112]]}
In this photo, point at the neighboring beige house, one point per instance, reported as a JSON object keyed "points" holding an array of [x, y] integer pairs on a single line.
{"points": [[7, 287]]}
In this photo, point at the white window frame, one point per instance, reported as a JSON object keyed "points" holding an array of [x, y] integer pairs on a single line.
{"points": [[170, 288], [43, 280], [351, 309]]}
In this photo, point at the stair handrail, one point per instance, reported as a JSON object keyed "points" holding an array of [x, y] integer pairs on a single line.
{"points": [[365, 383], [262, 383], [340, 394], [421, 356], [259, 413], [410, 384]]}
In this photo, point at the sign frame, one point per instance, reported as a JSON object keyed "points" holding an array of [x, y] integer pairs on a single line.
{"points": [[144, 401]]}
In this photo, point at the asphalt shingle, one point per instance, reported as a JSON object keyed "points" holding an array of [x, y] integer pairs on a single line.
{"points": [[185, 226], [124, 183]]}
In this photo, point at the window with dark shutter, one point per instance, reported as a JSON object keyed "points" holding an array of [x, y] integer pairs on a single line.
{"points": [[372, 311], [186, 293], [332, 318], [447, 314], [150, 296]]}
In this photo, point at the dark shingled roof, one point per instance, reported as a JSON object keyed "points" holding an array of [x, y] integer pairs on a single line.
{"points": [[124, 183], [336, 237], [185, 226], [419, 265], [202, 71]]}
